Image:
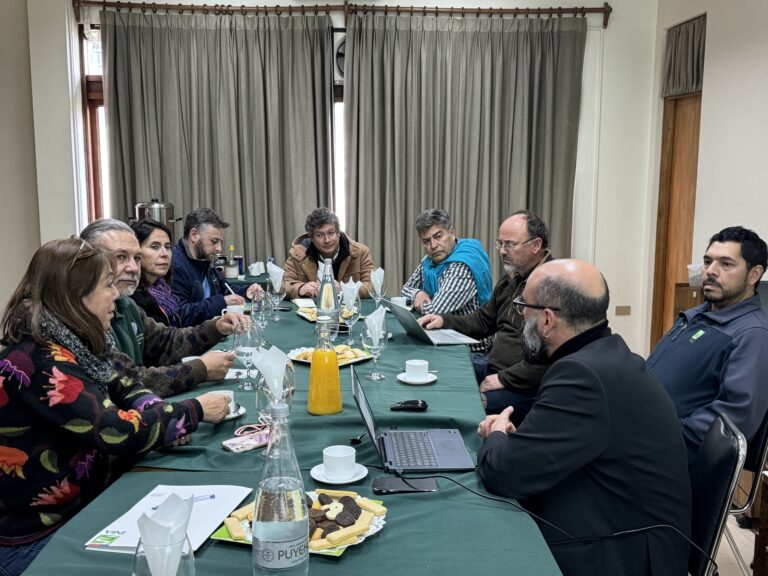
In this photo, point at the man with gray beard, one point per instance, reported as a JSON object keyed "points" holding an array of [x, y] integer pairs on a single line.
{"points": [[505, 378], [600, 458], [154, 348]]}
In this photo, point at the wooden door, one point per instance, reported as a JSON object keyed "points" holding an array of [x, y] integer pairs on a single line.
{"points": [[677, 201]]}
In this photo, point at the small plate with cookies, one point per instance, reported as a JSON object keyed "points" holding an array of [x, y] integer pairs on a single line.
{"points": [[337, 519]]}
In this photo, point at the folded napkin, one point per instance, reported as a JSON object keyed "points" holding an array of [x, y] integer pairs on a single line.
{"points": [[271, 363], [275, 274], [349, 291], [375, 323], [377, 279], [164, 533]]}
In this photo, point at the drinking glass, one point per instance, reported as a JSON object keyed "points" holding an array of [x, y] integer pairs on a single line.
{"points": [[266, 397], [375, 349], [276, 295], [148, 559], [260, 315], [349, 317], [378, 295], [247, 340]]}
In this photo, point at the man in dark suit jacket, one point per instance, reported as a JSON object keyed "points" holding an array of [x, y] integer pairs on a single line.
{"points": [[600, 456]]}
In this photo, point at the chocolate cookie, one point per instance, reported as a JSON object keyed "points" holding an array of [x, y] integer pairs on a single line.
{"points": [[312, 526], [345, 519], [317, 515], [324, 499], [351, 506], [308, 499], [328, 527]]}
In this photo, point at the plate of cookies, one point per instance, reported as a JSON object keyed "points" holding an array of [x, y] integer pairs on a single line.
{"points": [[344, 353], [337, 519]]}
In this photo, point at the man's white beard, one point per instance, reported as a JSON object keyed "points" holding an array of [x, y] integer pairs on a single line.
{"points": [[509, 269]]}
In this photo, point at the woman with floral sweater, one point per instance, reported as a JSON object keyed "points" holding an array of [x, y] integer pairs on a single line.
{"points": [[63, 409]]}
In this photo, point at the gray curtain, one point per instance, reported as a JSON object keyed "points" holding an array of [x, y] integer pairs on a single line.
{"points": [[684, 58], [232, 112], [477, 116]]}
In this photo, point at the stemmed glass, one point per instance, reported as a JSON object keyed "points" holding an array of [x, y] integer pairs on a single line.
{"points": [[349, 316], [260, 316], [276, 295], [375, 349], [247, 340], [378, 295], [289, 387]]}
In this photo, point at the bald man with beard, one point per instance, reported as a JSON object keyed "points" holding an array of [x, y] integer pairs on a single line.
{"points": [[601, 451]]}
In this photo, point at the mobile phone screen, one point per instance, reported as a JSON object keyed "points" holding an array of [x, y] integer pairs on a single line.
{"points": [[394, 485]]}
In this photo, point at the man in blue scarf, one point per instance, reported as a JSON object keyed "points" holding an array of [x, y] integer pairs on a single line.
{"points": [[455, 275]]}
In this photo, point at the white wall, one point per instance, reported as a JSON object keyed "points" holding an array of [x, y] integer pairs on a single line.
{"points": [[19, 222]]}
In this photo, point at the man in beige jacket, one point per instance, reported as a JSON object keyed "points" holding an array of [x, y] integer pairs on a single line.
{"points": [[323, 239]]}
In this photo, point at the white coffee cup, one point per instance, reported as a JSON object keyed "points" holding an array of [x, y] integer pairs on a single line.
{"points": [[234, 308], [399, 300], [339, 462], [231, 395], [417, 368], [256, 268]]}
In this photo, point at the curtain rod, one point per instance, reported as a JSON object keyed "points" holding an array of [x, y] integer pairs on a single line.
{"points": [[605, 10]]}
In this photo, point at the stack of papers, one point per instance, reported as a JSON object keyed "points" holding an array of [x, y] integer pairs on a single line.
{"points": [[211, 505]]}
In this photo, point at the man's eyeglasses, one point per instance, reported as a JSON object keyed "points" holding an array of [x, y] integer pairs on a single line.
{"points": [[509, 245], [521, 305], [325, 235]]}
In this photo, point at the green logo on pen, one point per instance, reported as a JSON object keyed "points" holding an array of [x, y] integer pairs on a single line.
{"points": [[699, 334]]}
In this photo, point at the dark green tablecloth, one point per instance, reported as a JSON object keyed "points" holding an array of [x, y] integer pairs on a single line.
{"points": [[449, 532], [453, 401]]}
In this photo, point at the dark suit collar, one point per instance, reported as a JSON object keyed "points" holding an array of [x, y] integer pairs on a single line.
{"points": [[580, 340]]}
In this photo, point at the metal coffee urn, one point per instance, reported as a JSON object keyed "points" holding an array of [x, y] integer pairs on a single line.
{"points": [[160, 211]]}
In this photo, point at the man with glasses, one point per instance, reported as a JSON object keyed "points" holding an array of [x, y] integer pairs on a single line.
{"points": [[713, 360], [600, 458], [200, 288], [505, 378], [323, 239]]}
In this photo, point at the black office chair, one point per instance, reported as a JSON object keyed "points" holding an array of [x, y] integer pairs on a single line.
{"points": [[757, 450], [714, 474]]}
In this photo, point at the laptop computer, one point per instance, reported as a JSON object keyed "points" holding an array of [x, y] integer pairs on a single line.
{"points": [[413, 450], [442, 337]]}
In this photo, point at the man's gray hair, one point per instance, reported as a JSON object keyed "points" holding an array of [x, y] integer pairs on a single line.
{"points": [[579, 310], [95, 229], [320, 217], [433, 217]]}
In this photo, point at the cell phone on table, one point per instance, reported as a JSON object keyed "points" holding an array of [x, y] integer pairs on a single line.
{"points": [[395, 485], [247, 442]]}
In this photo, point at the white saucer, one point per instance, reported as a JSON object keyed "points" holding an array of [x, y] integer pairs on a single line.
{"points": [[318, 473], [405, 379], [236, 414]]}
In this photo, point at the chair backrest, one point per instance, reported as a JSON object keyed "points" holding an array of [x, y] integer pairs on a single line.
{"points": [[714, 473], [757, 449]]}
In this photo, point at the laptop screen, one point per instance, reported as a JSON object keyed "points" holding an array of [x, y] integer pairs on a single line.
{"points": [[365, 410]]}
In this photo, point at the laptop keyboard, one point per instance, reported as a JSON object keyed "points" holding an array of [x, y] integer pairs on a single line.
{"points": [[443, 338], [412, 448]]}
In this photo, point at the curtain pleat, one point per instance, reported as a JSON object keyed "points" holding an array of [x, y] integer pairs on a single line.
{"points": [[476, 116], [231, 112], [684, 58]]}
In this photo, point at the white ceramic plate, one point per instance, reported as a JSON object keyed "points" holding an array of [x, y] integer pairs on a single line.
{"points": [[405, 379], [318, 473], [293, 353]]}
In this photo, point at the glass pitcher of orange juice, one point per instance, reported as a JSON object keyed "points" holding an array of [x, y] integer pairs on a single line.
{"points": [[324, 385]]}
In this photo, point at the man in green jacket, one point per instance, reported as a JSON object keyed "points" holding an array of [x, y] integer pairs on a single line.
{"points": [[155, 348], [505, 378]]}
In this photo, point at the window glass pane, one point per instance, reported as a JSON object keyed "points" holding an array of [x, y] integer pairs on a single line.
{"points": [[93, 52]]}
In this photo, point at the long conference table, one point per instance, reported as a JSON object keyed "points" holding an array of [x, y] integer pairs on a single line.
{"points": [[450, 532]]}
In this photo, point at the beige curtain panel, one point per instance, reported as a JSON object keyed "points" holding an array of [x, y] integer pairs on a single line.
{"points": [[684, 58], [478, 116], [232, 112]]}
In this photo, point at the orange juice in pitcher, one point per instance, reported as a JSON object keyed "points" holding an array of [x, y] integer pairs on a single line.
{"points": [[324, 385]]}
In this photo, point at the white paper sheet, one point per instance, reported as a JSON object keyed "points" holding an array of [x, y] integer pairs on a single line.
{"points": [[208, 513]]}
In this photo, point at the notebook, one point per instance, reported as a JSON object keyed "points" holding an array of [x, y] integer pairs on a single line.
{"points": [[413, 450], [441, 337]]}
